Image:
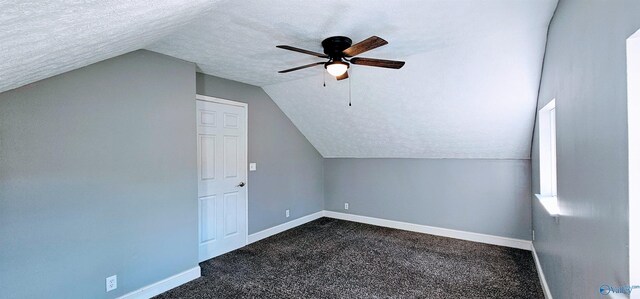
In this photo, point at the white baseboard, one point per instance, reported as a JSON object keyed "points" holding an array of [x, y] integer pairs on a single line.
{"points": [[432, 230], [283, 227], [543, 280], [193, 273], [164, 285]]}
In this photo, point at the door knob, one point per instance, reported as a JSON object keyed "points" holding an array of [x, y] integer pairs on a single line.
{"points": [[241, 184]]}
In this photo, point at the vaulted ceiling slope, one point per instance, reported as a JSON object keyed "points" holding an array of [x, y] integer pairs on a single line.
{"points": [[40, 39], [468, 89]]}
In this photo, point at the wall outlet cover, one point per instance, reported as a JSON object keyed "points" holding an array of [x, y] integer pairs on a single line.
{"points": [[346, 205], [286, 213], [533, 235]]}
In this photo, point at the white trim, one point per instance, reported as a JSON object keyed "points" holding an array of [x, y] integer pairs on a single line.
{"points": [[202, 97], [432, 230], [547, 149], [164, 285], [220, 101], [193, 273], [283, 227], [550, 203], [633, 131], [438, 231], [543, 280]]}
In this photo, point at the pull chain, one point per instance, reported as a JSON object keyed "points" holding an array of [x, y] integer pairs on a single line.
{"points": [[324, 78], [350, 91]]}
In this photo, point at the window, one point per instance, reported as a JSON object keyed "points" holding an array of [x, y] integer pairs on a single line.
{"points": [[548, 175]]}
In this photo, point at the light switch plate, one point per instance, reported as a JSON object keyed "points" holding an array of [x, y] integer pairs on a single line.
{"points": [[252, 166], [112, 283]]}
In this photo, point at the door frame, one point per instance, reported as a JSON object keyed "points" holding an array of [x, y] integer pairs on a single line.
{"points": [[200, 97]]}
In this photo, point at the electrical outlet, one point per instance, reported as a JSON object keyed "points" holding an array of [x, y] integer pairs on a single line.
{"points": [[533, 235], [286, 213], [346, 205], [112, 283]]}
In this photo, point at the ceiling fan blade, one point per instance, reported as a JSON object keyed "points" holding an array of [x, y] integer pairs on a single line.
{"points": [[343, 76], [290, 48], [364, 46], [392, 64], [301, 67]]}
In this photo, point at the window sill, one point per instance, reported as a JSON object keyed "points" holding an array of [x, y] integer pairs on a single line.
{"points": [[550, 203]]}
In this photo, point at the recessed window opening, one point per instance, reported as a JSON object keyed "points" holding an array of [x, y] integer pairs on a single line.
{"points": [[548, 163]]}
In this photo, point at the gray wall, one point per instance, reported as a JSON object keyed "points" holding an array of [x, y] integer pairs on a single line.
{"points": [[290, 170], [483, 196], [97, 178], [585, 71]]}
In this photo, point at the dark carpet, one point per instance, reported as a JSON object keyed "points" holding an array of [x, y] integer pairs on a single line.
{"points": [[330, 258]]}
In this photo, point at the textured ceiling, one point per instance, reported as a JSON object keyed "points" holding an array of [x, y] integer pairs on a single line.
{"points": [[40, 39], [468, 89]]}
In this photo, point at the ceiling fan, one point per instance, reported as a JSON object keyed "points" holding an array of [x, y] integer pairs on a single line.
{"points": [[340, 52]]}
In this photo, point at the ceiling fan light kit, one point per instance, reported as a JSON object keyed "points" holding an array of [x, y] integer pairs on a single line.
{"points": [[339, 51], [336, 68]]}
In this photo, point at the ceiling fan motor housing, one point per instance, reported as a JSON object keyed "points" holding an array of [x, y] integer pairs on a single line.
{"points": [[333, 46]]}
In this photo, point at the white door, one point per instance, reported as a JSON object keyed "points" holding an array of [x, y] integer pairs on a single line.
{"points": [[222, 176]]}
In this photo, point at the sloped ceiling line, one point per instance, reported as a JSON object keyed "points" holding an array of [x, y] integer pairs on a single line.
{"points": [[544, 55], [41, 39], [467, 90]]}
